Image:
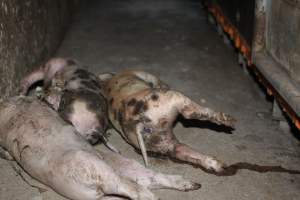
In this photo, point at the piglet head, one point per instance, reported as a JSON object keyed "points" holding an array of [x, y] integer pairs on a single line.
{"points": [[159, 138]]}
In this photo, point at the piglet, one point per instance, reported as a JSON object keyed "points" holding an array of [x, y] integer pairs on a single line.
{"points": [[143, 109], [52, 151], [75, 93]]}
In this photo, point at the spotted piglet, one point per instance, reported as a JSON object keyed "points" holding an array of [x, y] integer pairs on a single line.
{"points": [[143, 109], [76, 94]]}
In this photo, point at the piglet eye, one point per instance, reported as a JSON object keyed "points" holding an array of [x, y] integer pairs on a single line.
{"points": [[147, 130]]}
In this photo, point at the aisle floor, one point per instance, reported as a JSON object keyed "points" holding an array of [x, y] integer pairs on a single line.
{"points": [[173, 40]]}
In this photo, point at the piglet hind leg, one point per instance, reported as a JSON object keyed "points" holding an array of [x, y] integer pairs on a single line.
{"points": [[89, 177], [145, 177], [191, 110], [5, 155], [112, 198], [24, 176], [27, 178], [184, 153]]}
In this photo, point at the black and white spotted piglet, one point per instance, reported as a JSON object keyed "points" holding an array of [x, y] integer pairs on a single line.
{"points": [[75, 93]]}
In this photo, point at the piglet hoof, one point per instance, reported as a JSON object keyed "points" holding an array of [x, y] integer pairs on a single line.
{"points": [[39, 92], [177, 182], [192, 186], [214, 165], [185, 185], [226, 119]]}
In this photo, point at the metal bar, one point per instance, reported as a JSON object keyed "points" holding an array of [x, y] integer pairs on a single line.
{"points": [[241, 44]]}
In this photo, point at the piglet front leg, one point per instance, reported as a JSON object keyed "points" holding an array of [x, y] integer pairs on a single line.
{"points": [[191, 110]]}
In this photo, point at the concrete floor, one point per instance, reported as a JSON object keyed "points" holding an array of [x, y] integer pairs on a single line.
{"points": [[172, 40]]}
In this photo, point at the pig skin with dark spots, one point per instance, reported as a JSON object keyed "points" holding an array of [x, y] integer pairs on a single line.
{"points": [[149, 109], [75, 93]]}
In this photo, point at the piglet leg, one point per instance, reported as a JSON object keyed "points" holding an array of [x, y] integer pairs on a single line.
{"points": [[30, 79], [112, 198], [27, 178], [151, 79], [110, 146], [136, 172], [43, 73], [191, 110], [185, 153], [5, 155]]}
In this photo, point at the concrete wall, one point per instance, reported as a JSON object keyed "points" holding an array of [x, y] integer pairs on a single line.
{"points": [[30, 31]]}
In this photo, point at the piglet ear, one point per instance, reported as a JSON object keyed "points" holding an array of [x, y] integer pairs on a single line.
{"points": [[105, 76], [141, 142]]}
